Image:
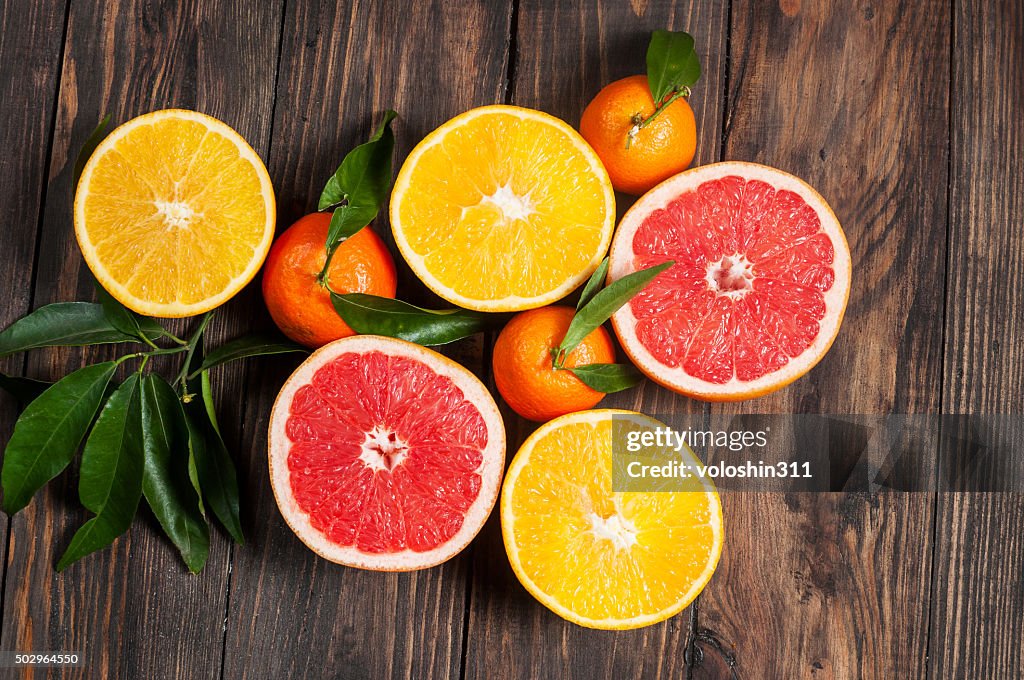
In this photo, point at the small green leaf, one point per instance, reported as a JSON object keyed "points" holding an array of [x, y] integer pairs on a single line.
{"points": [[363, 177], [594, 284], [165, 481], [127, 321], [214, 468], [88, 148], [346, 220], [49, 432], [373, 315], [608, 378], [672, 63], [23, 389], [110, 476], [61, 324], [605, 303], [247, 346]]}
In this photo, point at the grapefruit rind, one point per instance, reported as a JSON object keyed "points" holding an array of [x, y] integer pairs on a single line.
{"points": [[522, 459], [491, 467], [237, 283], [513, 303], [677, 379]]}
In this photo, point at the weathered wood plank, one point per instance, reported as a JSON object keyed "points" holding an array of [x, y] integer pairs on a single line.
{"points": [[30, 44], [837, 585], [566, 52], [133, 610], [978, 611], [295, 614]]}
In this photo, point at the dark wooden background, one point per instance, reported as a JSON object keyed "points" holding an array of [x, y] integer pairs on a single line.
{"points": [[905, 115]]}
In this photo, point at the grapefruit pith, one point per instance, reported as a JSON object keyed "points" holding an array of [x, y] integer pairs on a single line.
{"points": [[758, 289], [385, 455]]}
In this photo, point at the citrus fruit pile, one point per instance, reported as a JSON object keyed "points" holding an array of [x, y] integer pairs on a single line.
{"points": [[723, 282]]}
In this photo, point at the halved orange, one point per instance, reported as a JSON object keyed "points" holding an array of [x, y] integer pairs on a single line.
{"points": [[174, 213], [602, 558], [503, 209]]}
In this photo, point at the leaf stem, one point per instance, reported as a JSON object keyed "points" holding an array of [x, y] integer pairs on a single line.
{"points": [[321, 278], [145, 356], [174, 338], [191, 345], [160, 351], [637, 127]]}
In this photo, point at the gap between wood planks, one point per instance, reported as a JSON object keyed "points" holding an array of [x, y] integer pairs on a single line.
{"points": [[933, 575], [245, 367]]}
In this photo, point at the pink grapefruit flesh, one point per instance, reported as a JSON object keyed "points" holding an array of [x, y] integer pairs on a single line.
{"points": [[385, 455], [758, 289]]}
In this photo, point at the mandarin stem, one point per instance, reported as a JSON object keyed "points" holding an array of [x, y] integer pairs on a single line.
{"points": [[637, 127]]}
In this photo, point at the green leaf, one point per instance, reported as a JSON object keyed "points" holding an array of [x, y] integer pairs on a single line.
{"points": [[61, 324], [247, 346], [373, 315], [127, 321], [346, 220], [88, 148], [191, 387], [594, 284], [110, 476], [193, 470], [363, 177], [23, 389], [165, 482], [672, 63], [605, 303], [214, 468], [608, 378], [49, 432], [358, 188]]}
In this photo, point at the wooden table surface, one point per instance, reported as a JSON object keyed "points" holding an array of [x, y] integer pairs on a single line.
{"points": [[906, 117]]}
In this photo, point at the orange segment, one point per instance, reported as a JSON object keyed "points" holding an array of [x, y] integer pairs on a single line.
{"points": [[174, 213], [597, 557], [502, 209]]}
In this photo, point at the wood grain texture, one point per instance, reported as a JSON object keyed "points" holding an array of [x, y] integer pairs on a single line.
{"points": [[297, 615], [132, 610], [855, 97], [837, 585], [978, 610], [566, 52], [27, 54]]}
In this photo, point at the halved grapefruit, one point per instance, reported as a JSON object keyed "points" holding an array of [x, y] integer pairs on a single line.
{"points": [[758, 289], [385, 455]]}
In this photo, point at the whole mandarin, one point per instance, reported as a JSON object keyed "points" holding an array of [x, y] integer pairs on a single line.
{"points": [[523, 369], [663, 148], [299, 305]]}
